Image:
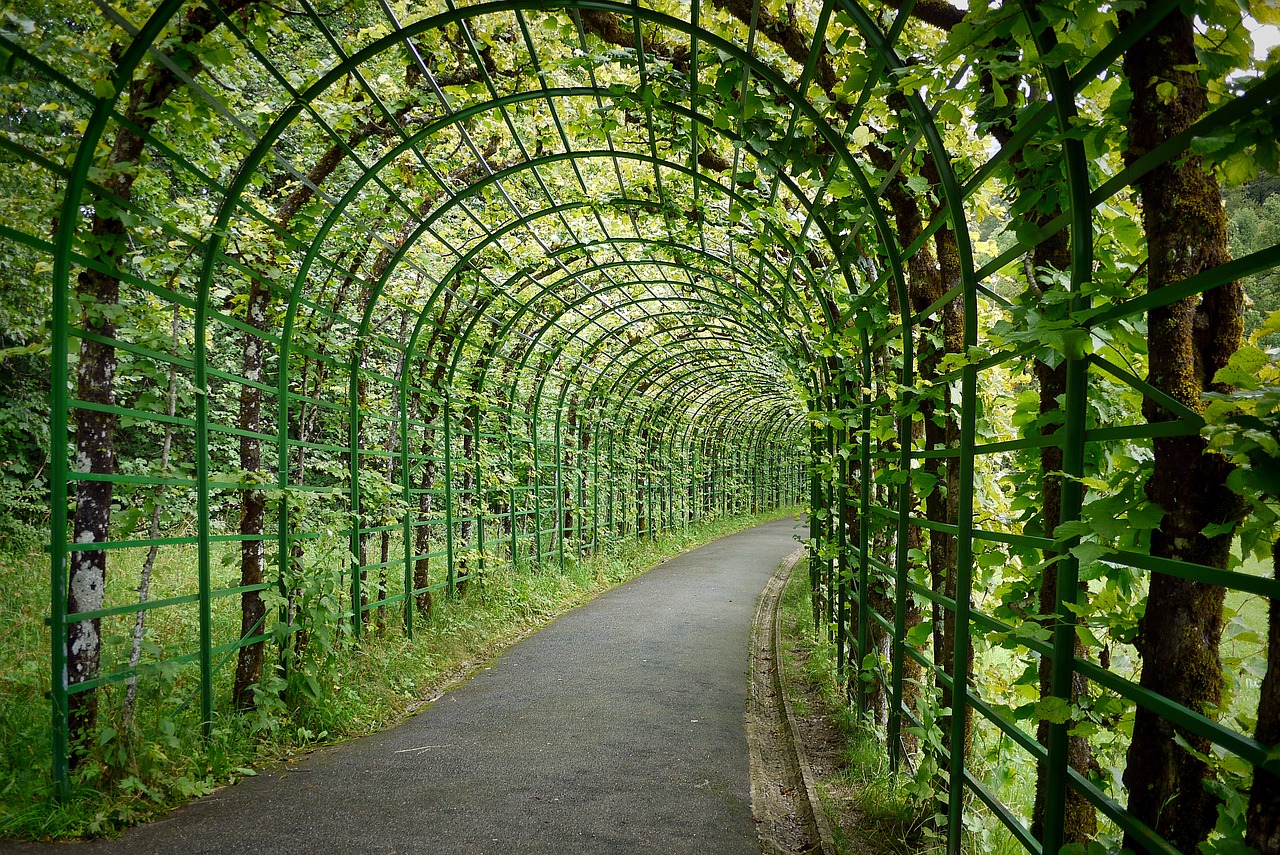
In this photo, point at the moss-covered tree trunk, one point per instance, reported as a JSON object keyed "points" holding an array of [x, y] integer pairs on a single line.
{"points": [[1080, 823], [1263, 817], [1189, 341], [252, 499], [945, 498]]}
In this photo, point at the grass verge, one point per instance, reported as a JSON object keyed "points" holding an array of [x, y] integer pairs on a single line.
{"points": [[870, 808]]}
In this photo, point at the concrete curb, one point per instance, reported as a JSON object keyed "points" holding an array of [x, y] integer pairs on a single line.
{"points": [[826, 837]]}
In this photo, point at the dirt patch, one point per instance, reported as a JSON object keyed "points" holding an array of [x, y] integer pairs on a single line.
{"points": [[780, 803], [824, 743], [803, 797]]}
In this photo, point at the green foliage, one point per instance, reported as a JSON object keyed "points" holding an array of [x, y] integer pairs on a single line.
{"points": [[1245, 426]]}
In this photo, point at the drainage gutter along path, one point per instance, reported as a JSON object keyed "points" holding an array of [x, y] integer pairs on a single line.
{"points": [[617, 728]]}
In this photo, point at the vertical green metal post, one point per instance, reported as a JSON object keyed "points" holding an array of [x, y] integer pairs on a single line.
{"points": [[817, 520], [864, 527], [200, 378], [559, 506], [694, 500], [902, 564], [537, 489], [595, 492], [511, 494], [58, 468], [842, 552], [671, 493], [353, 439], [478, 497], [830, 559], [406, 496], [1067, 591], [651, 515], [446, 410], [964, 591]]}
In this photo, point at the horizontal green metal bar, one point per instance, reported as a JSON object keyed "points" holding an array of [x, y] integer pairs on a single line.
{"points": [[75, 477], [165, 541], [383, 528], [434, 586], [385, 601], [184, 659], [315, 446], [131, 608], [227, 430], [1258, 262], [140, 415], [1027, 540], [1260, 585], [935, 453], [991, 361], [1025, 740], [1177, 408], [1242, 746], [269, 390], [1151, 842], [1239, 744], [1024, 444], [129, 347], [323, 404]]}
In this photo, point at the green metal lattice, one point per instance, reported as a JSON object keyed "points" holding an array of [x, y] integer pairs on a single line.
{"points": [[567, 244]]}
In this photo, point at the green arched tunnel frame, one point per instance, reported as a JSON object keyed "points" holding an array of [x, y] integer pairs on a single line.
{"points": [[597, 337]]}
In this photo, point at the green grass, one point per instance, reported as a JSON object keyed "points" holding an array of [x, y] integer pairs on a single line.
{"points": [[365, 686], [889, 817]]}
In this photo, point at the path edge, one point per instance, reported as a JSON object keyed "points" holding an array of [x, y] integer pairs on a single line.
{"points": [[766, 645]]}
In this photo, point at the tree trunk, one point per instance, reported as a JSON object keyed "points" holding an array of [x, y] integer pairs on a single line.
{"points": [[945, 548], [99, 294], [253, 500], [95, 453], [1179, 634], [1263, 831]]}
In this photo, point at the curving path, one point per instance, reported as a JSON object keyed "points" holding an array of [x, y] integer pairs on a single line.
{"points": [[618, 728]]}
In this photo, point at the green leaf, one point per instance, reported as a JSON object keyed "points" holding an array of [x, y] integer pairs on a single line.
{"points": [[1234, 375], [1089, 552], [1054, 710], [1215, 529]]}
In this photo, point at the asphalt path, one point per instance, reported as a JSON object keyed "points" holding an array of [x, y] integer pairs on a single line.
{"points": [[618, 728]]}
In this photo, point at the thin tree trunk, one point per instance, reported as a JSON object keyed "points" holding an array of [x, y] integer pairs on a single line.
{"points": [[438, 346], [945, 548], [253, 500], [1180, 632], [144, 578]]}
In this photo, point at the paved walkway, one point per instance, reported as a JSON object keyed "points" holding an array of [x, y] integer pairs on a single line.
{"points": [[616, 729]]}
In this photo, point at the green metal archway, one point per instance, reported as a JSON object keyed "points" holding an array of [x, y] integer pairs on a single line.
{"points": [[509, 281]]}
